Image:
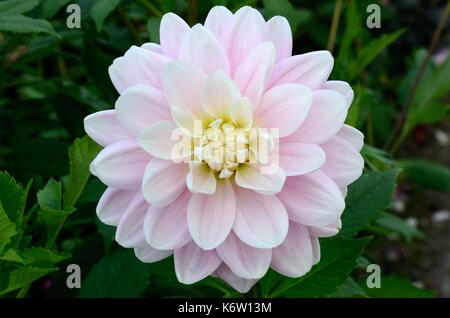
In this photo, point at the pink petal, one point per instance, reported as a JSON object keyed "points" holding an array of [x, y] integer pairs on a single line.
{"points": [[352, 135], [201, 179], [148, 254], [247, 31], [193, 264], [342, 88], [280, 34], [312, 199], [211, 217], [242, 285], [171, 33], [324, 120], [344, 163], [245, 261], [166, 228], [201, 48], [298, 159], [294, 258], [284, 107], [250, 176], [261, 220], [183, 83], [104, 128], [218, 20], [160, 140], [309, 69], [130, 229], [163, 182], [140, 106], [121, 165], [315, 249], [112, 205], [328, 230], [152, 47], [253, 73]]}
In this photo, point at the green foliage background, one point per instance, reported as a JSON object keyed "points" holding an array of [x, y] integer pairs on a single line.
{"points": [[51, 77]]}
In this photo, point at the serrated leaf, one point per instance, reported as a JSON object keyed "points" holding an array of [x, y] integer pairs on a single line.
{"points": [[24, 275], [393, 287], [53, 221], [7, 228], [371, 51], [119, 274], [17, 6], [366, 199], [12, 197], [50, 196], [50, 8], [338, 258], [81, 153], [349, 289], [42, 257], [427, 174], [101, 9], [396, 224], [22, 24]]}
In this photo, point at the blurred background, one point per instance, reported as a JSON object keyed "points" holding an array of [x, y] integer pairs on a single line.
{"points": [[52, 76]]}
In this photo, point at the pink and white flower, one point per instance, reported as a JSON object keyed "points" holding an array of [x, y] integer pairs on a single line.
{"points": [[221, 214]]}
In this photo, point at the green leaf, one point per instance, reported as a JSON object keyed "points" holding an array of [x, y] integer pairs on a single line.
{"points": [[108, 233], [42, 257], [349, 289], [393, 287], [22, 24], [371, 51], [427, 174], [352, 30], [12, 196], [50, 196], [338, 258], [366, 199], [101, 9], [53, 221], [49, 8], [284, 8], [17, 6], [119, 274], [153, 28], [81, 153], [395, 224], [7, 228], [11, 255], [23, 276]]}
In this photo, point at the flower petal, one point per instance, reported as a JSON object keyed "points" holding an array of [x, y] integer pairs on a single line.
{"points": [[253, 73], [211, 217], [298, 159], [309, 69], [130, 229], [171, 33], [113, 204], [166, 228], [242, 285], [241, 113], [201, 48], [140, 106], [163, 182], [247, 31], [261, 220], [342, 88], [218, 20], [104, 128], [312, 199], [193, 264], [245, 261], [352, 135], [284, 107], [253, 177], [324, 120], [121, 165], [328, 230], [201, 179], [344, 164], [183, 83], [148, 254], [294, 258], [280, 34], [315, 249], [218, 93]]}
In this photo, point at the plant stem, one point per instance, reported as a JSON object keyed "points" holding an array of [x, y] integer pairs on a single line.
{"points": [[154, 10], [334, 25], [123, 16], [396, 138], [192, 12]]}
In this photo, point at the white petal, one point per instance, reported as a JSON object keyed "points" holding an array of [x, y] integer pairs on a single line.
{"points": [[112, 205], [280, 34], [148, 254], [163, 181], [250, 176], [342, 88], [241, 113], [171, 33], [201, 179], [104, 128], [261, 220], [352, 135], [316, 249], [218, 20], [130, 231], [193, 264], [211, 217], [298, 159], [242, 285]]}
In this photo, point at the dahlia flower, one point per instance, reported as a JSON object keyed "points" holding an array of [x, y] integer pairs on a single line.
{"points": [[225, 150]]}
